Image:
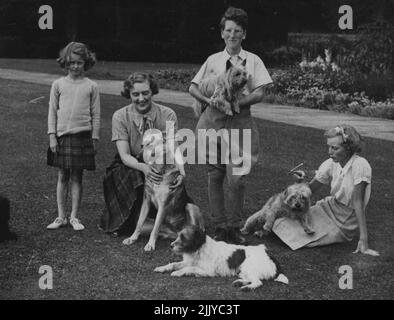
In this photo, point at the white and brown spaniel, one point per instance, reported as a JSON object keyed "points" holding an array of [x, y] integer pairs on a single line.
{"points": [[205, 257]]}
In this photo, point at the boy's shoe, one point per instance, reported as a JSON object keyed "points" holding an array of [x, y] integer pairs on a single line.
{"points": [[59, 222], [76, 224]]}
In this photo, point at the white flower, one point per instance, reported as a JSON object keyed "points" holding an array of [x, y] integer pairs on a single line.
{"points": [[319, 60], [334, 67], [303, 64], [327, 52]]}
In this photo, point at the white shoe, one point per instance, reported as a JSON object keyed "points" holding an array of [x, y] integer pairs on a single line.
{"points": [[76, 224], [59, 222]]}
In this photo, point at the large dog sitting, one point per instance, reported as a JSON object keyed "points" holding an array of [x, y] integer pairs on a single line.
{"points": [[294, 202], [205, 257], [5, 233], [225, 90], [174, 207]]}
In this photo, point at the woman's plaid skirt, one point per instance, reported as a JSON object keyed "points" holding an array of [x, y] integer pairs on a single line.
{"points": [[75, 151], [123, 194]]}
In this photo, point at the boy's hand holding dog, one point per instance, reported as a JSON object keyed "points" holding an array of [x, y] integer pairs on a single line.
{"points": [[53, 142]]}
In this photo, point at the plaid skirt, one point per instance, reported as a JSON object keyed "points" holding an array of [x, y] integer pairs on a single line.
{"points": [[75, 151], [123, 194]]}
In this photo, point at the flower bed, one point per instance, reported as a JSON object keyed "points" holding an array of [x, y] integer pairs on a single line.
{"points": [[322, 84]]}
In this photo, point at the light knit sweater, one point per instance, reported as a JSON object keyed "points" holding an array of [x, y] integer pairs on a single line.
{"points": [[74, 106]]}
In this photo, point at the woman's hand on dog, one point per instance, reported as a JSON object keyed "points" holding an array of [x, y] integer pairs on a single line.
{"points": [[362, 247], [53, 143], [177, 182], [151, 175]]}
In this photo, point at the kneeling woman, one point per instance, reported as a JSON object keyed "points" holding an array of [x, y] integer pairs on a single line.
{"points": [[124, 178], [338, 217]]}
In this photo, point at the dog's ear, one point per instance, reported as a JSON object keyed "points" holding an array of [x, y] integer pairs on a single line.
{"points": [[243, 63], [285, 193], [195, 240], [299, 176]]}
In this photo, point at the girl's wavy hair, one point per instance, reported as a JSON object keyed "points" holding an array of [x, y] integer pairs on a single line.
{"points": [[352, 140], [238, 15], [80, 49], [139, 77]]}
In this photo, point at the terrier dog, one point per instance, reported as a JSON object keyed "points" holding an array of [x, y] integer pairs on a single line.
{"points": [[5, 233], [174, 209], [294, 202], [205, 257], [225, 90]]}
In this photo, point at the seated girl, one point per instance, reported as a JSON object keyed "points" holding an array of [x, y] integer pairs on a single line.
{"points": [[338, 217]]}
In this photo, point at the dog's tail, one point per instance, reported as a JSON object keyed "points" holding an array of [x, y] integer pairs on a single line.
{"points": [[282, 278]]}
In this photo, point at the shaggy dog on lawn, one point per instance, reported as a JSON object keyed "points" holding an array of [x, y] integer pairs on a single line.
{"points": [[5, 233], [225, 90], [174, 207], [294, 202], [205, 257]]}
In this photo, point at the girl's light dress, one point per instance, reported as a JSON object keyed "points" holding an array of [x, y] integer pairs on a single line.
{"points": [[333, 219]]}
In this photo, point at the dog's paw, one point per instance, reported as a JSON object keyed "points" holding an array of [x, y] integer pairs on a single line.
{"points": [[149, 247], [309, 231], [130, 240], [251, 286], [236, 107], [261, 233], [161, 269], [178, 273], [239, 283], [227, 109]]}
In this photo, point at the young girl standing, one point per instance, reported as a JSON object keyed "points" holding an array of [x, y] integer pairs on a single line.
{"points": [[73, 128]]}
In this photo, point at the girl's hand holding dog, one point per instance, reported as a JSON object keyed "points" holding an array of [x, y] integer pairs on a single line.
{"points": [[53, 142], [362, 247], [151, 175]]}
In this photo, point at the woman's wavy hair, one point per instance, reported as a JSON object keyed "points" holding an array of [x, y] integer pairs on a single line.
{"points": [[238, 15], [139, 77], [352, 140], [80, 49]]}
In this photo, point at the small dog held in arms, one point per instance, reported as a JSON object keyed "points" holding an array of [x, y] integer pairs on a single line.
{"points": [[174, 207], [5, 233], [225, 90], [294, 202], [205, 257]]}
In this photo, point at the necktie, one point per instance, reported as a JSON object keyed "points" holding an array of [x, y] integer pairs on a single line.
{"points": [[144, 125]]}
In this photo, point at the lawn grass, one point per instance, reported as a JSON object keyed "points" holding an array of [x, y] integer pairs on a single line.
{"points": [[93, 265]]}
